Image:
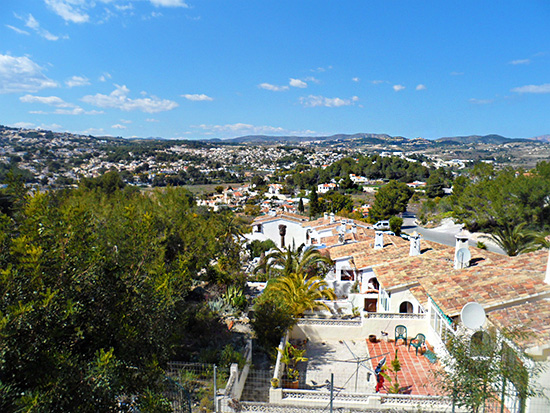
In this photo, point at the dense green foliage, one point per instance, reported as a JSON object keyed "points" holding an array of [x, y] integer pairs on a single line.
{"points": [[98, 292], [490, 199], [371, 167], [390, 200], [478, 365]]}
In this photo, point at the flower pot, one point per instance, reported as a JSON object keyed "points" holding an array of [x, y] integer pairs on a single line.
{"points": [[288, 384]]}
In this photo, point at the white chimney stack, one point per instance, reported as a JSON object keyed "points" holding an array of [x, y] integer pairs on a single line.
{"points": [[547, 277], [332, 217], [462, 253], [415, 244], [378, 240]]}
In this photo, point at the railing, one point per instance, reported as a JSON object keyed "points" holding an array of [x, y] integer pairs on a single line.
{"points": [[341, 322], [311, 395], [409, 316], [367, 400], [419, 401]]}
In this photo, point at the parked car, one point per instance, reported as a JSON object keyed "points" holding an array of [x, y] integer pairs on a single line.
{"points": [[382, 225]]}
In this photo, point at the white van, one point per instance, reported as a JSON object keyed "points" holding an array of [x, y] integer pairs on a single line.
{"points": [[382, 225]]}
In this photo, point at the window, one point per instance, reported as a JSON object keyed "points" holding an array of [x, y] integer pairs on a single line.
{"points": [[347, 275], [373, 284], [406, 308]]}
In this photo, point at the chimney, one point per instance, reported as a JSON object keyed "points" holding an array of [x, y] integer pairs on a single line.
{"points": [[415, 244], [332, 217], [547, 277], [462, 253], [378, 240], [325, 216]]}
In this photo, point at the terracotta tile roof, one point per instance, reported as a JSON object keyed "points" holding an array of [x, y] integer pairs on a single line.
{"points": [[280, 215], [533, 317]]}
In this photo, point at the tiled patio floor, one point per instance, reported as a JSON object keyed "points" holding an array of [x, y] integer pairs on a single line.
{"points": [[416, 374]]}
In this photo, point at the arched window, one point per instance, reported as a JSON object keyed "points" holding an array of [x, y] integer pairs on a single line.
{"points": [[406, 307], [373, 284]]}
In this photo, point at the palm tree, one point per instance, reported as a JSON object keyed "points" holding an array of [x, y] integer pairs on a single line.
{"points": [[285, 261], [301, 293], [515, 240]]}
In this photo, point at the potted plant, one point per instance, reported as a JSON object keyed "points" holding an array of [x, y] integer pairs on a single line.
{"points": [[291, 356]]}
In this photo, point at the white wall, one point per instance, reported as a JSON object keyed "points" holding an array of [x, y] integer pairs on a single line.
{"points": [[398, 297], [270, 230]]}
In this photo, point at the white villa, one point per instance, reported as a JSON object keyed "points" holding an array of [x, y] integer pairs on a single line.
{"points": [[422, 285]]}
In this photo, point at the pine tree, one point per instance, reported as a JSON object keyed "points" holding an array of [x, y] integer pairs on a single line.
{"points": [[301, 208], [314, 206]]}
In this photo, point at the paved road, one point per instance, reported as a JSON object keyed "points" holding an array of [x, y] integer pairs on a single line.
{"points": [[444, 234]]}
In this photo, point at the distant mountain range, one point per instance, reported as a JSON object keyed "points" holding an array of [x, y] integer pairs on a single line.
{"points": [[374, 138]]}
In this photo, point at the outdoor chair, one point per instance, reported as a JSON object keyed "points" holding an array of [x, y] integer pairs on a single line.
{"points": [[417, 342], [400, 332]]}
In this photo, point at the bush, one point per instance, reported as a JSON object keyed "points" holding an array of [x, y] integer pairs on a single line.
{"points": [[395, 225]]}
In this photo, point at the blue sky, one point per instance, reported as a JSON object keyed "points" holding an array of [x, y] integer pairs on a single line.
{"points": [[223, 68]]}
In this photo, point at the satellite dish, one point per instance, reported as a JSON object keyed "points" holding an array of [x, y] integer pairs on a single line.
{"points": [[473, 316], [463, 256]]}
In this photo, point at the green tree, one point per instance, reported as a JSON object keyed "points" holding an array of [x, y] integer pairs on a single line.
{"points": [[270, 320], [477, 366], [391, 199], [435, 184], [94, 293], [515, 240], [300, 293], [395, 225], [307, 260], [314, 206], [301, 208]]}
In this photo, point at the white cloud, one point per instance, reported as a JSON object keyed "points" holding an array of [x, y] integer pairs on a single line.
{"points": [[69, 10], [481, 101], [151, 120], [169, 3], [545, 88], [21, 74], [457, 73], [125, 7], [119, 99], [46, 100], [33, 24], [313, 101], [77, 81], [398, 88], [520, 62], [197, 97], [273, 88], [297, 83], [420, 87], [62, 107], [311, 79], [118, 126], [104, 77], [355, 79], [16, 30], [23, 125], [378, 82], [239, 129]]}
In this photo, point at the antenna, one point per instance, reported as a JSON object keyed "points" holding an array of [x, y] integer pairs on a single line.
{"points": [[473, 316]]}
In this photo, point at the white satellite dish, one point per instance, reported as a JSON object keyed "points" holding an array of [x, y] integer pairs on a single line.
{"points": [[463, 256], [473, 316]]}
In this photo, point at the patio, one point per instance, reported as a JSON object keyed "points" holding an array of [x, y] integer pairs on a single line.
{"points": [[416, 375]]}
